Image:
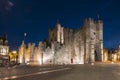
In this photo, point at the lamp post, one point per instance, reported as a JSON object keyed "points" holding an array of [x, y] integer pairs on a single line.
{"points": [[23, 52]]}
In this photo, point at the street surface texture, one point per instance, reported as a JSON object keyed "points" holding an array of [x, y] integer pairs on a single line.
{"points": [[20, 71], [98, 71]]}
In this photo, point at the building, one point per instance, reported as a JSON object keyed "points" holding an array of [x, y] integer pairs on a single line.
{"points": [[32, 54], [68, 46], [114, 54], [105, 55], [4, 49], [82, 46]]}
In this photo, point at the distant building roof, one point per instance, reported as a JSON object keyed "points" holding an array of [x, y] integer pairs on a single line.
{"points": [[4, 40]]}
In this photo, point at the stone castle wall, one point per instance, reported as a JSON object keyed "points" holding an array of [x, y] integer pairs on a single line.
{"points": [[67, 46]]}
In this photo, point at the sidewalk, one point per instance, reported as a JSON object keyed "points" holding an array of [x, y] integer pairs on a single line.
{"points": [[25, 69]]}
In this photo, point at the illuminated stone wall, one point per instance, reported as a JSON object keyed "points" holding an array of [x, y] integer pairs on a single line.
{"points": [[79, 46], [82, 46], [33, 54], [21, 51], [68, 46], [57, 54], [105, 55], [57, 34], [48, 56], [93, 40]]}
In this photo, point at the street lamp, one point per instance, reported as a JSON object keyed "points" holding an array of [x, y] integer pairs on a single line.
{"points": [[24, 36], [23, 52]]}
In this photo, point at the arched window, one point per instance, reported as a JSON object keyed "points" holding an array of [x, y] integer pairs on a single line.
{"points": [[1, 41], [6, 42]]}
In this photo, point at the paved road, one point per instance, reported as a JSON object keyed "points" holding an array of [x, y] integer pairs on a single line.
{"points": [[99, 71], [25, 70]]}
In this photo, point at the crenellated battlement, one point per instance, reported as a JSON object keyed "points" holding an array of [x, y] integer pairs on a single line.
{"points": [[68, 46]]}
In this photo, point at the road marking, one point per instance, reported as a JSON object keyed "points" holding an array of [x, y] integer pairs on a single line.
{"points": [[43, 72], [45, 68]]}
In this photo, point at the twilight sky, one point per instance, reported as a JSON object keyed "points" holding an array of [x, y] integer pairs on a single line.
{"points": [[35, 17]]}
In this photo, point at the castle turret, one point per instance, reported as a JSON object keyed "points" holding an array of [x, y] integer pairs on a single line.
{"points": [[57, 34], [100, 38]]}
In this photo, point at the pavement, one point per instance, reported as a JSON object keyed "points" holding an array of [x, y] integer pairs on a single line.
{"points": [[19, 70], [97, 71]]}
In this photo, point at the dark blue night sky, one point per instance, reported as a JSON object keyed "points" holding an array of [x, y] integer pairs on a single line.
{"points": [[35, 17]]}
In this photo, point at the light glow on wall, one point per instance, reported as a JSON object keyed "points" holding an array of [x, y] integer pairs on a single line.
{"points": [[47, 58]]}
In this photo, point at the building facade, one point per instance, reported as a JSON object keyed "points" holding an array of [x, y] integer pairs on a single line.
{"points": [[68, 46], [82, 46], [4, 50], [31, 54]]}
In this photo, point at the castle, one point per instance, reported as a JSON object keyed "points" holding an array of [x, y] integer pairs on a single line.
{"points": [[82, 46], [68, 46]]}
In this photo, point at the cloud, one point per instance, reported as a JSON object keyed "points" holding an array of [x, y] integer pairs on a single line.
{"points": [[9, 5]]}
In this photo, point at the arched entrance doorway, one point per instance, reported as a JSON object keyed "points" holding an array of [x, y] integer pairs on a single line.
{"points": [[96, 56]]}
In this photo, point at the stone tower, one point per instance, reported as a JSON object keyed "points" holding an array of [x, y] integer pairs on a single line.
{"points": [[84, 45], [57, 34], [93, 40], [100, 39]]}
